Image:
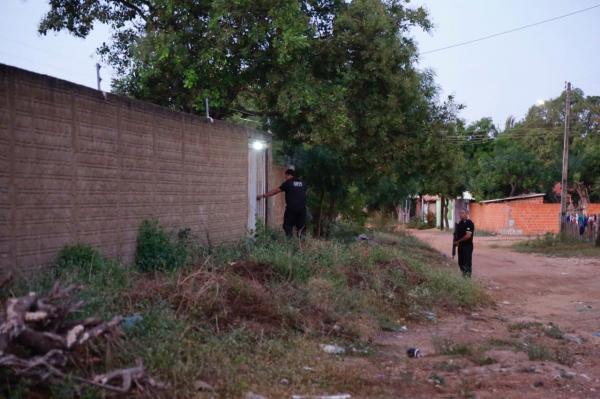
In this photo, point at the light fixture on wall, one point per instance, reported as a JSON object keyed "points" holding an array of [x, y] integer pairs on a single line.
{"points": [[258, 145]]}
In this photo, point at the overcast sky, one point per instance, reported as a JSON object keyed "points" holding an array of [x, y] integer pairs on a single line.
{"points": [[498, 77]]}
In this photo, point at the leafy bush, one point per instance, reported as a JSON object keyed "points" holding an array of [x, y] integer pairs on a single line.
{"points": [[159, 250], [79, 257]]}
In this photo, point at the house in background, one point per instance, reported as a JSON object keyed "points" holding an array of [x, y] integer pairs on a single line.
{"points": [[432, 204], [426, 205]]}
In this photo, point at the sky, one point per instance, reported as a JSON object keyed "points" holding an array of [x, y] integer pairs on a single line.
{"points": [[494, 78], [506, 75]]}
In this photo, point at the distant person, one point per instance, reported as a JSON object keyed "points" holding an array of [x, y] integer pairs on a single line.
{"points": [[463, 240], [295, 203]]}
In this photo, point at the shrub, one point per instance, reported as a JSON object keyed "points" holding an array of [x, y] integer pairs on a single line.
{"points": [[445, 346], [79, 257], [158, 250]]}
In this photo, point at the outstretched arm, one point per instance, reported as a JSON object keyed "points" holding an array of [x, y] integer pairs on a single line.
{"points": [[268, 193]]}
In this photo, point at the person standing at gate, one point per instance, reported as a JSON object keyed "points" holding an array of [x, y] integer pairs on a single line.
{"points": [[463, 239], [295, 203]]}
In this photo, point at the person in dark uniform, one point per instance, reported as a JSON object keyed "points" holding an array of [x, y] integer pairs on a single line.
{"points": [[295, 203], [463, 239]]}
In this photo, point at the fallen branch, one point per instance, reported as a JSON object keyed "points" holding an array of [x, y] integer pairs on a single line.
{"points": [[38, 341]]}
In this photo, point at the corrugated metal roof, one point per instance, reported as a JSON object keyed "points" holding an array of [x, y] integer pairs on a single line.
{"points": [[517, 197]]}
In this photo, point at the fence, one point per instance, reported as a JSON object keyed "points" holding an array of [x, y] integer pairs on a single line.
{"points": [[586, 228]]}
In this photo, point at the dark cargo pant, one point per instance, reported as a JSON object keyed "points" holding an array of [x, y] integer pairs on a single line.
{"points": [[465, 258], [294, 218]]}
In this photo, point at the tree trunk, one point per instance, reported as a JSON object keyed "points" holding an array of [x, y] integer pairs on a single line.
{"points": [[320, 220], [584, 195], [513, 189], [442, 212], [445, 214], [330, 215]]}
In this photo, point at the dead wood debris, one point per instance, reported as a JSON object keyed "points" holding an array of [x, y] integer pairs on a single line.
{"points": [[39, 340]]}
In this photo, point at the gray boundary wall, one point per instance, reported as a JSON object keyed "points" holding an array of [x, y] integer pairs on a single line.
{"points": [[77, 166]]}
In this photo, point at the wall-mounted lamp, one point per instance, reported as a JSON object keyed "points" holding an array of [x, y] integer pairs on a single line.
{"points": [[258, 145]]}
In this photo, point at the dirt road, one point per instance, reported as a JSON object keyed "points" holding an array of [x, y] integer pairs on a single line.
{"points": [[536, 341], [563, 290]]}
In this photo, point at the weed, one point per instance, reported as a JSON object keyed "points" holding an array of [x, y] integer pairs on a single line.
{"points": [[445, 346], [524, 325], [345, 231], [540, 352], [535, 351], [448, 367], [79, 258], [418, 224], [558, 245], [503, 344], [251, 313], [158, 250], [481, 360], [437, 379], [553, 331]]}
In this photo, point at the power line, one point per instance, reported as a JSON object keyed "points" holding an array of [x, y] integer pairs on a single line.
{"points": [[510, 30], [510, 135], [44, 50]]}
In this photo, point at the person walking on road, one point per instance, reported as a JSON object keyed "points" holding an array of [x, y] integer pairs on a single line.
{"points": [[463, 239], [295, 203]]}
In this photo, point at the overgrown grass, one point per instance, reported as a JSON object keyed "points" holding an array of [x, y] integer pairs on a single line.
{"points": [[419, 224], [242, 317], [550, 330], [445, 346], [558, 245], [535, 350]]}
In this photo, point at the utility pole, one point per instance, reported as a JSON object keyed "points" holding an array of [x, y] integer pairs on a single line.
{"points": [[98, 78], [565, 164]]}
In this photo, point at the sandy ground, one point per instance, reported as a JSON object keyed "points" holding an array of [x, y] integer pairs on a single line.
{"points": [[526, 288]]}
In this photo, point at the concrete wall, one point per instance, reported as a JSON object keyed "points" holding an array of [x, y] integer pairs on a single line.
{"points": [[77, 166]]}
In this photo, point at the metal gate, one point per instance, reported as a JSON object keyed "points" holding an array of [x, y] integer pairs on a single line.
{"points": [[258, 158]]}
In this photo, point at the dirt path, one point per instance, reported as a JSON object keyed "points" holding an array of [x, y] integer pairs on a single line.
{"points": [[548, 288], [527, 356]]}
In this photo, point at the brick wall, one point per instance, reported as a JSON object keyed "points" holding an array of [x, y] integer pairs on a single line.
{"points": [[76, 166], [593, 209], [519, 217]]}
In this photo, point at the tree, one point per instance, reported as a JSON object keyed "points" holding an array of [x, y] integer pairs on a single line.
{"points": [[175, 52], [334, 80], [527, 155]]}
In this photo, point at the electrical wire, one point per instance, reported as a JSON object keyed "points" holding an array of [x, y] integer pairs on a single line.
{"points": [[510, 30]]}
